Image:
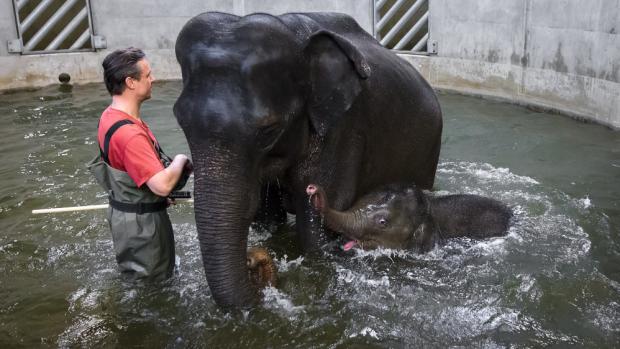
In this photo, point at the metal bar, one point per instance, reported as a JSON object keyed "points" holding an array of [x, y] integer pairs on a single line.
{"points": [[62, 36], [401, 22], [420, 43], [42, 6], [18, 26], [390, 14], [90, 207], [44, 30], [379, 4], [21, 3], [412, 32], [90, 25], [70, 209], [26, 53], [375, 18], [81, 40]]}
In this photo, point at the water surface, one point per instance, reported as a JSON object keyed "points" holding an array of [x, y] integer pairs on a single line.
{"points": [[552, 281]]}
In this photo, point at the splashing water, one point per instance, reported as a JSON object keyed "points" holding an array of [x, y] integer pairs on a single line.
{"points": [[551, 281]]}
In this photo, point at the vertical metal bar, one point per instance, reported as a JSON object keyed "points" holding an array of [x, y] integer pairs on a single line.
{"points": [[420, 43], [44, 30], [412, 32], [62, 36], [90, 24], [18, 25], [401, 22], [81, 40], [42, 6], [375, 17], [390, 14]]}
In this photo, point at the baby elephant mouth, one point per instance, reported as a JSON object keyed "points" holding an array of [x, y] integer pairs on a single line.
{"points": [[349, 245], [362, 244], [318, 200]]}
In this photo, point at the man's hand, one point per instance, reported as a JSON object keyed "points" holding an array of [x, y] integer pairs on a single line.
{"points": [[164, 181]]}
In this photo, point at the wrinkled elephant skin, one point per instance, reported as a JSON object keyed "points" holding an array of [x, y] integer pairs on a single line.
{"points": [[403, 217], [270, 104]]}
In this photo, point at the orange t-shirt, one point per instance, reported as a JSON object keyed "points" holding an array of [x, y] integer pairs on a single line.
{"points": [[131, 147]]}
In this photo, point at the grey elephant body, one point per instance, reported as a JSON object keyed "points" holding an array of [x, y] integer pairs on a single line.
{"points": [[404, 217], [270, 104]]}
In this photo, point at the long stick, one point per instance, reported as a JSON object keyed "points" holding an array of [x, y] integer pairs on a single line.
{"points": [[84, 208]]}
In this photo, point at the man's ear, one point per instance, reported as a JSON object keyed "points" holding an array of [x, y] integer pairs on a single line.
{"points": [[130, 83]]}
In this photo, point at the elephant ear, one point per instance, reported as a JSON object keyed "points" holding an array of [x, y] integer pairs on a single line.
{"points": [[336, 69]]}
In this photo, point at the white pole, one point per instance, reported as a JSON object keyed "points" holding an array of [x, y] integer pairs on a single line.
{"points": [[85, 208]]}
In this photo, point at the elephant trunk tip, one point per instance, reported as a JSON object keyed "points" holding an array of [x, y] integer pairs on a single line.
{"points": [[317, 197]]}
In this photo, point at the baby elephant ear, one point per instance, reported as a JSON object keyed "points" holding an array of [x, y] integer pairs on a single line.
{"points": [[336, 68]]}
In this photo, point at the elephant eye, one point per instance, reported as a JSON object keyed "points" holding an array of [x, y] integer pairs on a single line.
{"points": [[268, 134], [382, 221]]}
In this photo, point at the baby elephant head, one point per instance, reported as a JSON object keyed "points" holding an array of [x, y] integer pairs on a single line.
{"points": [[392, 217], [402, 216]]}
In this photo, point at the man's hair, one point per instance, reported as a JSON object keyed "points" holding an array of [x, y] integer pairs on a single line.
{"points": [[119, 65]]}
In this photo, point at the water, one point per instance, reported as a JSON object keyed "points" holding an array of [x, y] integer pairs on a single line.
{"points": [[552, 281]]}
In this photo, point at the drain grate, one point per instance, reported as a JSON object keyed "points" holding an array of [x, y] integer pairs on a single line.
{"points": [[402, 24], [50, 26]]}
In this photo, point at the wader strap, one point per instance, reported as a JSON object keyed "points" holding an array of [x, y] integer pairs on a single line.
{"points": [[139, 208], [108, 136]]}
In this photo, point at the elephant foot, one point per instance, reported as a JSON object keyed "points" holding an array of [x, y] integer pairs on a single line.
{"points": [[261, 268]]}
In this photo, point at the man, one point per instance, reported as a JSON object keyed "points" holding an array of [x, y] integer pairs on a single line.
{"points": [[131, 169]]}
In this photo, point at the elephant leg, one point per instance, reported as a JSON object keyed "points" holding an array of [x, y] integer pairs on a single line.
{"points": [[271, 207]]}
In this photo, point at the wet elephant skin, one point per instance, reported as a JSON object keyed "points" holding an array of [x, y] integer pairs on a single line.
{"points": [[272, 103], [402, 216]]}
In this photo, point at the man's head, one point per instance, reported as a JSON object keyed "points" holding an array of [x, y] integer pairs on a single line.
{"points": [[127, 71]]}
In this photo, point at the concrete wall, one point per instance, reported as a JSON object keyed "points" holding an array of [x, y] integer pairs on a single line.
{"points": [[561, 55], [558, 54], [152, 25]]}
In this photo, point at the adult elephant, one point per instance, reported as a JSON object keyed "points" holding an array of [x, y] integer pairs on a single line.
{"points": [[281, 102]]}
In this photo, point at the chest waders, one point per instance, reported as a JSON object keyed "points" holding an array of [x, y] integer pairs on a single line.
{"points": [[140, 226]]}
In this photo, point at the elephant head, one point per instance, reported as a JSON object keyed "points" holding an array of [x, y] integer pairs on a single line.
{"points": [[402, 216], [395, 217], [254, 91]]}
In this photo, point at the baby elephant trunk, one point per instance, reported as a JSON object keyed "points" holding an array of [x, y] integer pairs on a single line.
{"points": [[349, 223]]}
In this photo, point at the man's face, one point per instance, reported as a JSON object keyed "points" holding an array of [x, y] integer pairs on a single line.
{"points": [[142, 86]]}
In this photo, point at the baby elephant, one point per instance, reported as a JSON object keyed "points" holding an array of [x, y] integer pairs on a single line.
{"points": [[402, 216], [261, 269]]}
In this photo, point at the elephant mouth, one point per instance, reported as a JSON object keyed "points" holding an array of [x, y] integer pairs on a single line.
{"points": [[349, 245], [362, 244]]}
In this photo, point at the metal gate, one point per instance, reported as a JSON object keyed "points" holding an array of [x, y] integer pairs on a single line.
{"points": [[50, 26], [402, 24]]}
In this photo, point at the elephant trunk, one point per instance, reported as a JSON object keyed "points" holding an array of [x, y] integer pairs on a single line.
{"points": [[350, 223], [223, 206]]}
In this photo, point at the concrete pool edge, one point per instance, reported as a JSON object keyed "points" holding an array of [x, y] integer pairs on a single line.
{"points": [[576, 96]]}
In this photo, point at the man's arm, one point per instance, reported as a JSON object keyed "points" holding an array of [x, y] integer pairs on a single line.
{"points": [[164, 181]]}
